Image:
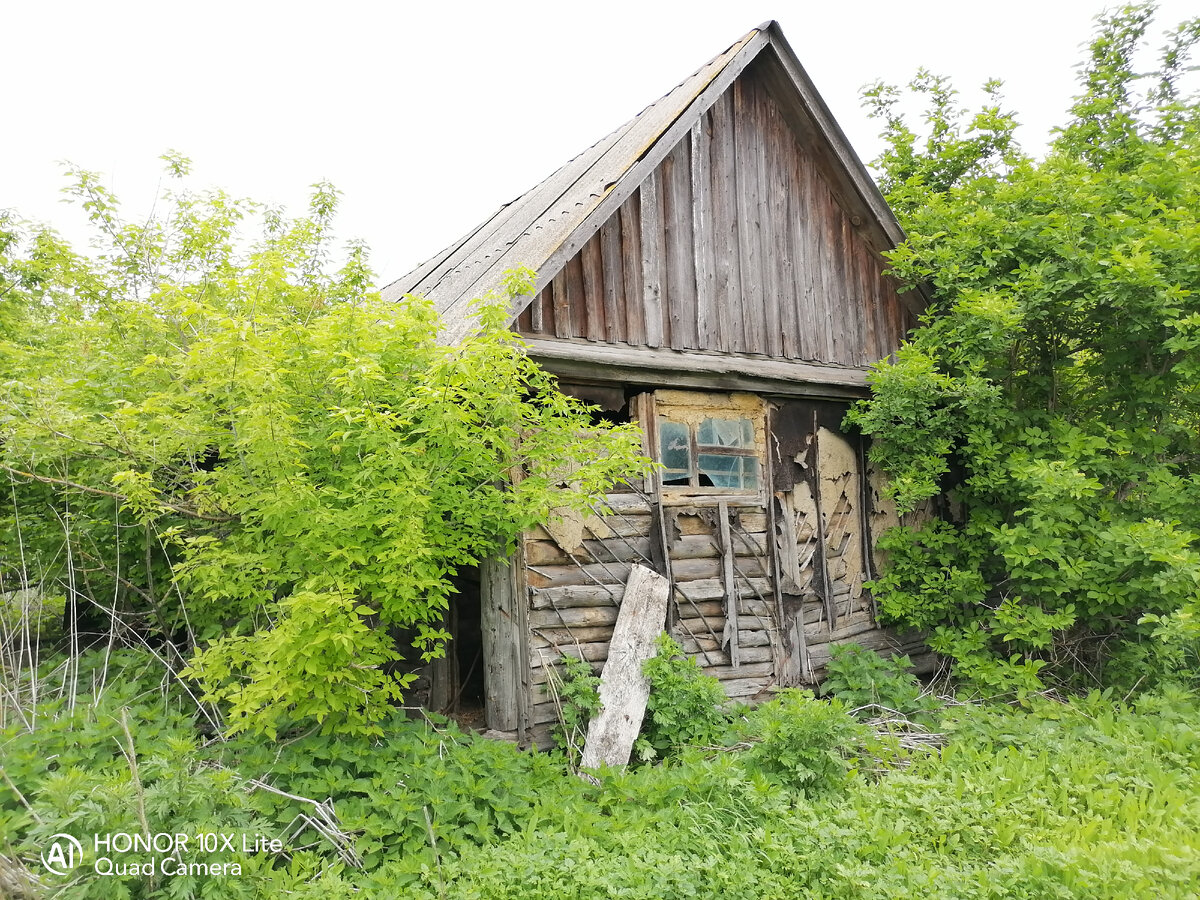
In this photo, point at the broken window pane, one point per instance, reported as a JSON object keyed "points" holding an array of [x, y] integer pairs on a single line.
{"points": [[730, 471], [726, 433]]}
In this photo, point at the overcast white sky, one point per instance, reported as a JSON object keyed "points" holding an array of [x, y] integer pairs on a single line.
{"points": [[429, 116]]}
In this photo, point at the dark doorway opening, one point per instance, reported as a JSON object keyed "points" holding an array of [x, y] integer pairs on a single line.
{"points": [[456, 686]]}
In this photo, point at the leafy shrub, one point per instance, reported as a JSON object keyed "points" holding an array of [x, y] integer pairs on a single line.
{"points": [[266, 458], [685, 705], [807, 744], [863, 680], [1050, 389]]}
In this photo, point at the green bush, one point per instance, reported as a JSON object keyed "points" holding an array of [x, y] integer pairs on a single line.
{"points": [[1050, 389], [865, 681], [685, 705], [808, 744]]}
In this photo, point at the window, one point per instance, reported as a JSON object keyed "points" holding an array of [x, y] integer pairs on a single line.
{"points": [[710, 453]]}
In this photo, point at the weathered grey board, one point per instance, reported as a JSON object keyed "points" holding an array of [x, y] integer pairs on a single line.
{"points": [[624, 689], [504, 634]]}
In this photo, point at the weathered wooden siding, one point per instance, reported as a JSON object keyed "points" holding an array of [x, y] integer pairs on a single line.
{"points": [[737, 242], [761, 590], [575, 592]]}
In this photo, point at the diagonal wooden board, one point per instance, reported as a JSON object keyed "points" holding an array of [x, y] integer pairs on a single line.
{"points": [[624, 690]]}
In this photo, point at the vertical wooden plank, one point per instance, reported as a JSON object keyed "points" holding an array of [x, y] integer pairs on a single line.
{"points": [[868, 301], [865, 514], [809, 308], [576, 302], [537, 311], [893, 310], [524, 322], [631, 270], [593, 289], [680, 264], [748, 153], [501, 661], [443, 673], [730, 638], [886, 332], [795, 667], [624, 690], [652, 256], [726, 268], [562, 310], [798, 321], [778, 285], [519, 588], [851, 307], [831, 275], [818, 262], [615, 326], [706, 313]]}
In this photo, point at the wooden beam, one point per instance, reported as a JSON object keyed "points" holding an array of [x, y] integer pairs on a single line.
{"points": [[603, 363], [624, 689]]}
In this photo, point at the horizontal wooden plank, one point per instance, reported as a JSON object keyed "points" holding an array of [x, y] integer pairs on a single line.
{"points": [[720, 658], [707, 609], [591, 652], [611, 527], [628, 504], [725, 672], [637, 549], [714, 589], [754, 523], [695, 546], [742, 688], [576, 595], [544, 713], [847, 627], [581, 616], [697, 639], [561, 637], [614, 549]]}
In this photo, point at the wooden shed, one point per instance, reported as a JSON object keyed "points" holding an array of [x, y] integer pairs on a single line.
{"points": [[711, 270]]}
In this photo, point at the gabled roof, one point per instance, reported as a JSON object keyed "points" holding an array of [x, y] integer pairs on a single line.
{"points": [[547, 225]]}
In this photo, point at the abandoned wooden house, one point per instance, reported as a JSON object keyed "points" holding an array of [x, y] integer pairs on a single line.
{"points": [[711, 270]]}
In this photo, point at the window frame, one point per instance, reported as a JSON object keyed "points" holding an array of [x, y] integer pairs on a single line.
{"points": [[688, 416]]}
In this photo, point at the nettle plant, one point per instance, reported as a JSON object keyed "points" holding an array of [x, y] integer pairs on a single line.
{"points": [[1051, 390], [237, 451]]}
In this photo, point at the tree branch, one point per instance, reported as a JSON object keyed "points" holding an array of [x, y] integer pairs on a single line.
{"points": [[175, 507]]}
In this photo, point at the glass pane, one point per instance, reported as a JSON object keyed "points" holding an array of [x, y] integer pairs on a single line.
{"points": [[750, 473], [722, 471], [737, 472], [674, 446], [726, 433]]}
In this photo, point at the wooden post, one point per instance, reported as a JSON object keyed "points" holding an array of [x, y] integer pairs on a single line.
{"points": [[501, 641], [624, 690]]}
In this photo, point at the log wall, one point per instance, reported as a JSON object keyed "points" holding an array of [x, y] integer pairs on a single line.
{"points": [[761, 589]]}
